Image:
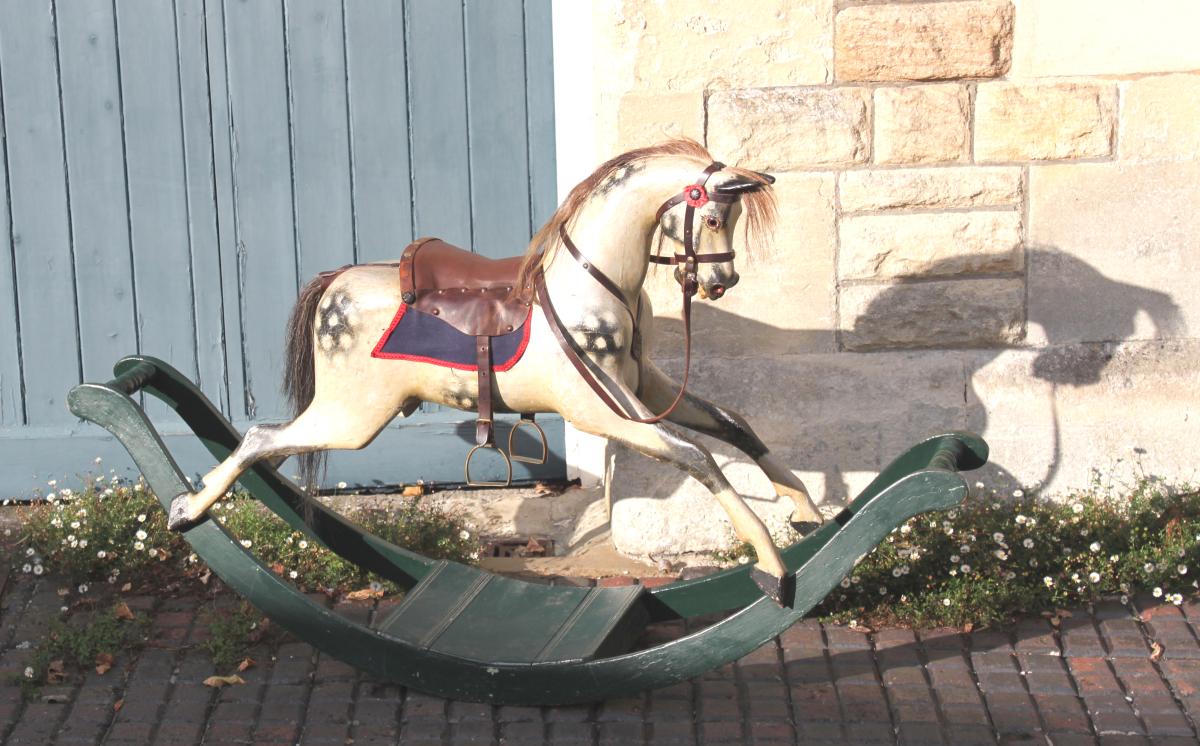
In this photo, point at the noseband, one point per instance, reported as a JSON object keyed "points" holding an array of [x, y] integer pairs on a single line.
{"points": [[695, 195]]}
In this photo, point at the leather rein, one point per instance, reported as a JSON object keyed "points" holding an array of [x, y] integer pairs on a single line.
{"points": [[695, 195]]}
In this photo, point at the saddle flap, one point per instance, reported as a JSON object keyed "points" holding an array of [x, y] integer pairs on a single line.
{"points": [[472, 293]]}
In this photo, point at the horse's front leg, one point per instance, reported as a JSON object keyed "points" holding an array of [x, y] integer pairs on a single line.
{"points": [[658, 441], [701, 415]]}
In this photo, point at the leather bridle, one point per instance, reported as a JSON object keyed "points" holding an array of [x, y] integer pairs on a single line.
{"points": [[695, 195]]}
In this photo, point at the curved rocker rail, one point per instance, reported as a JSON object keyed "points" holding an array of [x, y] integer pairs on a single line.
{"points": [[464, 653]]}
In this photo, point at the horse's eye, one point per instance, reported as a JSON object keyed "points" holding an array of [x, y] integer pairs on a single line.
{"points": [[713, 222]]}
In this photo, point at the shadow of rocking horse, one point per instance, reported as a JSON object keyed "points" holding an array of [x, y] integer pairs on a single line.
{"points": [[1069, 299]]}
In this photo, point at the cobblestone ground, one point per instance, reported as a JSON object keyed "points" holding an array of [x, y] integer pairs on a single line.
{"points": [[1094, 681]]}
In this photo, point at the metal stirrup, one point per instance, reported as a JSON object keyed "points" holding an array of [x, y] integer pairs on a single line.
{"points": [[512, 453], [467, 467]]}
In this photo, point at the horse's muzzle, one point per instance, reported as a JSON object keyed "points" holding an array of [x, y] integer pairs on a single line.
{"points": [[718, 289]]}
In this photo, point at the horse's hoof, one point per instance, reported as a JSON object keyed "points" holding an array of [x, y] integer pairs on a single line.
{"points": [[177, 518], [780, 590], [804, 528]]}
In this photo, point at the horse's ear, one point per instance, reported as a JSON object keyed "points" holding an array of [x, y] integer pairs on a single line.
{"points": [[742, 184]]}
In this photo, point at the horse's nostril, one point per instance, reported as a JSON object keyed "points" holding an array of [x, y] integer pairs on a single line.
{"points": [[716, 291]]}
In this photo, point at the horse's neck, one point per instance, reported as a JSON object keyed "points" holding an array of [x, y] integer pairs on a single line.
{"points": [[614, 229]]}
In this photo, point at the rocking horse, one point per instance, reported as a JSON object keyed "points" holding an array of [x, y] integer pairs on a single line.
{"points": [[539, 333]]}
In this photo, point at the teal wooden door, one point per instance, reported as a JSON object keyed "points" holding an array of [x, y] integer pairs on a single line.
{"points": [[174, 172]]}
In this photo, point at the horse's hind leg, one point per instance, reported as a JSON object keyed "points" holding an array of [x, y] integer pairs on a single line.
{"points": [[701, 415], [326, 424], [666, 444]]}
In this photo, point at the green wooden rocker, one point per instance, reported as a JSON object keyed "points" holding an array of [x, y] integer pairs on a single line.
{"points": [[464, 633]]}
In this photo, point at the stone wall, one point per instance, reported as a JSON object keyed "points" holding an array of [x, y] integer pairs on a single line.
{"points": [[990, 219]]}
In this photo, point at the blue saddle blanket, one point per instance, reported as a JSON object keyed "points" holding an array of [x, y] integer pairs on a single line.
{"points": [[424, 338]]}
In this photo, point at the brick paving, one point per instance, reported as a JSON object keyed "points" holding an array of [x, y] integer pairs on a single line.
{"points": [[1094, 680]]}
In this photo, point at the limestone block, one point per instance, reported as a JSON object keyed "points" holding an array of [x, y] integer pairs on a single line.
{"points": [[922, 124], [644, 119], [1106, 37], [785, 298], [1054, 414], [673, 46], [783, 128], [834, 418], [1113, 251], [1043, 121], [950, 313], [880, 247], [1160, 118], [923, 41], [929, 188]]}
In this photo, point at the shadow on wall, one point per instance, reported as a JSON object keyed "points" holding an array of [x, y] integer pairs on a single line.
{"points": [[1068, 300]]}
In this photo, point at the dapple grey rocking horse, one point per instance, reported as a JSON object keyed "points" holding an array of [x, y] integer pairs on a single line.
{"points": [[539, 333]]}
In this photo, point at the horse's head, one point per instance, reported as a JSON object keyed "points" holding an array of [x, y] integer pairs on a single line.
{"points": [[701, 220]]}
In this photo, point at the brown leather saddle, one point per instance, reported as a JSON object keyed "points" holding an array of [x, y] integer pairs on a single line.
{"points": [[475, 295]]}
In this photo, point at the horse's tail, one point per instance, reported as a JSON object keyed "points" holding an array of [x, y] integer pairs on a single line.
{"points": [[299, 378]]}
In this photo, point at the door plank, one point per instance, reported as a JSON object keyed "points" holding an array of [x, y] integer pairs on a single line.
{"points": [[498, 148], [262, 188], [376, 56], [45, 274], [440, 163], [95, 145], [321, 141]]}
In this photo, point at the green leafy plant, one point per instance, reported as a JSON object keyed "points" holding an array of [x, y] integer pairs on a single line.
{"points": [[993, 558], [231, 632], [117, 532], [85, 640]]}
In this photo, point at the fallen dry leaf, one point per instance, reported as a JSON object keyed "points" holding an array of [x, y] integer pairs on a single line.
{"points": [[534, 548], [412, 490], [56, 672], [365, 594], [118, 705], [1156, 652], [104, 661], [219, 681], [206, 577], [122, 611], [968, 627], [245, 664], [126, 588], [277, 568]]}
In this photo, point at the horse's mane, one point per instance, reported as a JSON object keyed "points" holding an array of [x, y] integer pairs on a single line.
{"points": [[759, 206]]}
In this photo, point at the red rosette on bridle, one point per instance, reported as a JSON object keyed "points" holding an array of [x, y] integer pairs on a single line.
{"points": [[695, 195]]}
